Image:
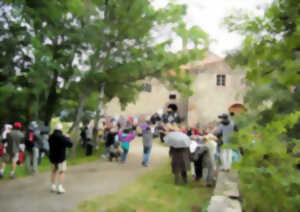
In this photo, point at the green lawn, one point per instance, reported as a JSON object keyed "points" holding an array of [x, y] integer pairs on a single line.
{"points": [[152, 192], [45, 165]]}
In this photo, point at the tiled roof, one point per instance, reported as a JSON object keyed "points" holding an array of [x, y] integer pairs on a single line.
{"points": [[210, 58]]}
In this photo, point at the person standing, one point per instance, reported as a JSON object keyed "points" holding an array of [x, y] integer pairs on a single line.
{"points": [[33, 143], [180, 162], [83, 135], [89, 143], [147, 143], [58, 144], [211, 144], [44, 150], [14, 139], [197, 157], [126, 136], [3, 144], [225, 131]]}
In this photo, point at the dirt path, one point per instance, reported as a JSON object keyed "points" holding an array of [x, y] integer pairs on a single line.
{"points": [[32, 194]]}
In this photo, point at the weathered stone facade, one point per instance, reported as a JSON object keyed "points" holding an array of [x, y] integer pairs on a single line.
{"points": [[209, 99]]}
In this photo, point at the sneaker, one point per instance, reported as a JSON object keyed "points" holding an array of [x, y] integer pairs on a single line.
{"points": [[1, 175], [103, 156], [61, 190], [12, 176], [53, 188]]}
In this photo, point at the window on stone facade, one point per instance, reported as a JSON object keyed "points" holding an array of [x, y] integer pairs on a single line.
{"points": [[147, 87], [221, 80], [172, 96]]}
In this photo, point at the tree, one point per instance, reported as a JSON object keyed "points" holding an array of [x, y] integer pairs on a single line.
{"points": [[112, 40], [270, 133], [123, 48], [46, 38]]}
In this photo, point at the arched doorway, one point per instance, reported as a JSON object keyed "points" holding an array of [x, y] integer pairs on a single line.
{"points": [[237, 108]]}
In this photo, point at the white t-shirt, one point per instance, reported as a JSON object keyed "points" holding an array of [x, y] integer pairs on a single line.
{"points": [[193, 146]]}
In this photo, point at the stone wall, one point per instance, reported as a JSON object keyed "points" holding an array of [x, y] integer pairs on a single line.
{"points": [[211, 100], [147, 103], [226, 194], [208, 101]]}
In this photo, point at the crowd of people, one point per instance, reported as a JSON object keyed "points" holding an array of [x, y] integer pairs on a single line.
{"points": [[33, 143], [200, 155], [204, 155]]}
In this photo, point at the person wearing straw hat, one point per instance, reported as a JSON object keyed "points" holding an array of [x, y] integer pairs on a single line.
{"points": [[211, 144]]}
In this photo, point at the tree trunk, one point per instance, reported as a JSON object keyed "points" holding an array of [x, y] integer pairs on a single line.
{"points": [[76, 134], [184, 104], [37, 108], [97, 117], [51, 100], [72, 126]]}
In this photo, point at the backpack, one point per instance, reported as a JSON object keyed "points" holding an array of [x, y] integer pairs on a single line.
{"points": [[1, 150], [30, 140]]}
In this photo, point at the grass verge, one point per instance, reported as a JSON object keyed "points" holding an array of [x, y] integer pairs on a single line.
{"points": [[152, 192]]}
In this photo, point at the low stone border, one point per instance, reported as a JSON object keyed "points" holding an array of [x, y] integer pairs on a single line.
{"points": [[226, 194]]}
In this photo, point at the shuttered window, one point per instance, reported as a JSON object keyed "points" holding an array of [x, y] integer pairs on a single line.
{"points": [[221, 80]]}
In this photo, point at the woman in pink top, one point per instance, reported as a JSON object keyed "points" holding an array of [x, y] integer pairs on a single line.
{"points": [[126, 136]]}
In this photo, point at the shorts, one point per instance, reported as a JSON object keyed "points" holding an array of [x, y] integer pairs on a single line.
{"points": [[7, 158], [61, 167]]}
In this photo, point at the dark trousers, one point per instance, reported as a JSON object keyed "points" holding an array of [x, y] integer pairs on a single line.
{"points": [[183, 175], [198, 168], [40, 155], [89, 149], [161, 136]]}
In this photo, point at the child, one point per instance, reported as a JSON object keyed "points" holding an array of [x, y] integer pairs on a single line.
{"points": [[114, 151]]}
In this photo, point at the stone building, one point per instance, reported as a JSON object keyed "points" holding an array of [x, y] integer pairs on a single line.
{"points": [[216, 88]]}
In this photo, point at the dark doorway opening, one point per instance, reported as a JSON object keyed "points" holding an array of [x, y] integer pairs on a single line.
{"points": [[173, 107]]}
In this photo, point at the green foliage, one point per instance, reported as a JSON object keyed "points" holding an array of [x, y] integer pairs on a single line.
{"points": [[57, 53], [270, 130], [269, 179]]}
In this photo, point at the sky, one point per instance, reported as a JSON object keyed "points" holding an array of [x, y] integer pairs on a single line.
{"points": [[209, 14]]}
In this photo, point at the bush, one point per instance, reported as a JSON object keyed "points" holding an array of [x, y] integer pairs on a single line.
{"points": [[269, 180]]}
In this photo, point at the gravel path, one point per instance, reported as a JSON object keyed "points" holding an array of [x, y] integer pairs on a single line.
{"points": [[83, 182]]}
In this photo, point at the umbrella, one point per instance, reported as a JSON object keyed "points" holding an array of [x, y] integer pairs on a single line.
{"points": [[177, 140], [44, 129]]}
